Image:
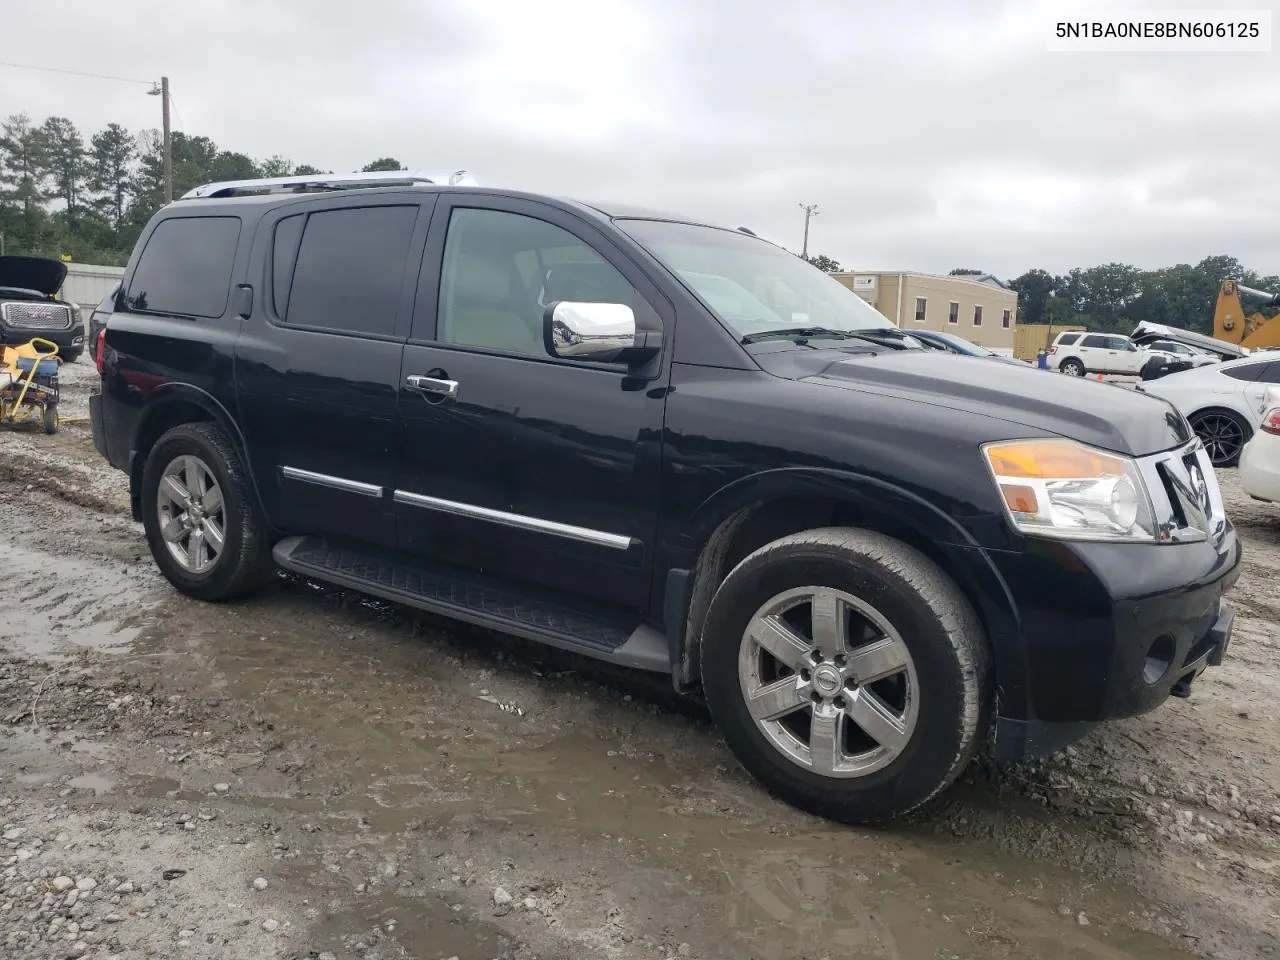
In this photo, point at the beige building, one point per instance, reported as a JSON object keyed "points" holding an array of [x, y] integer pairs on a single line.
{"points": [[979, 308]]}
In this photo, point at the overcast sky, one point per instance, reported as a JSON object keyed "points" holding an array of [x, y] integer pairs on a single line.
{"points": [[931, 134]]}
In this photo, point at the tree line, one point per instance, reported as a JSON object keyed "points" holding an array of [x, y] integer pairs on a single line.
{"points": [[1117, 297], [63, 195]]}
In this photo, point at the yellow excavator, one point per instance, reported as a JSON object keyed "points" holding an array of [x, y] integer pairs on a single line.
{"points": [[1253, 332]]}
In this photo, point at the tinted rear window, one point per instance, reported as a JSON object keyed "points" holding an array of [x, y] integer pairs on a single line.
{"points": [[1067, 338], [349, 268], [185, 268]]}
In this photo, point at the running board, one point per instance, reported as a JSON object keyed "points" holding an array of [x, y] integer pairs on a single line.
{"points": [[568, 623]]}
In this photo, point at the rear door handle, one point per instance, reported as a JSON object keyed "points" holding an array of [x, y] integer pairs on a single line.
{"points": [[440, 388]]}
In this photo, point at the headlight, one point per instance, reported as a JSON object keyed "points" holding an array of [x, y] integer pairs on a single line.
{"points": [[1064, 489]]}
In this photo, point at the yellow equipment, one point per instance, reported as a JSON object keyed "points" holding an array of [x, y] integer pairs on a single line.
{"points": [[1231, 324], [29, 383]]}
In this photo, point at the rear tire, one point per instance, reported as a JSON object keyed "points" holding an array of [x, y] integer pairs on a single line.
{"points": [[874, 726], [49, 418], [1072, 367], [201, 517], [1223, 433]]}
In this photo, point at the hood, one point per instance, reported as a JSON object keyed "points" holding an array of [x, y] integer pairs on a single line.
{"points": [[1100, 414], [33, 273]]}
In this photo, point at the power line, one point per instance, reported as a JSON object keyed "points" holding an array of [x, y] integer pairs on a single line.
{"points": [[76, 73]]}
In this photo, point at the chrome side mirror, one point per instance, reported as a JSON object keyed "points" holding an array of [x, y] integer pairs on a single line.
{"points": [[590, 331]]}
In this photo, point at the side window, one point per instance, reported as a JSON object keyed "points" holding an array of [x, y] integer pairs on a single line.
{"points": [[977, 315], [1121, 343], [1067, 339], [953, 313], [1248, 372], [185, 268], [1271, 374], [284, 252], [501, 270], [921, 305], [1094, 340], [350, 265]]}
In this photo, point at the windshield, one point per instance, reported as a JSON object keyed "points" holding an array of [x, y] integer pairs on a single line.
{"points": [[751, 285], [962, 345]]}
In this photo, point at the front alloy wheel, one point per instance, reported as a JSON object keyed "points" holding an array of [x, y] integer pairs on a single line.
{"points": [[847, 673], [829, 682]]}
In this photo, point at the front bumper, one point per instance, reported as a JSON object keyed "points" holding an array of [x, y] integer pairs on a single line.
{"points": [[1111, 631]]}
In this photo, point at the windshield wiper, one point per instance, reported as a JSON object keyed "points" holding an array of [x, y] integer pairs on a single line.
{"points": [[888, 336]]}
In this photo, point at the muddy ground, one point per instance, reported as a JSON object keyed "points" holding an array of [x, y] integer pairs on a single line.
{"points": [[311, 774]]}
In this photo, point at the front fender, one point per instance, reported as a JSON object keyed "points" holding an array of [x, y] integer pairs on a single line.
{"points": [[890, 509]]}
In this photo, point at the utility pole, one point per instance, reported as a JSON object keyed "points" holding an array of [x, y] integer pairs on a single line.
{"points": [[163, 94], [810, 211]]}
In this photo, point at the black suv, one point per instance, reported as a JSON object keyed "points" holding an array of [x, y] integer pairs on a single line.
{"points": [[667, 445]]}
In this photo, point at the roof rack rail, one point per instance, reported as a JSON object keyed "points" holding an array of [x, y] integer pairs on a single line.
{"points": [[331, 181]]}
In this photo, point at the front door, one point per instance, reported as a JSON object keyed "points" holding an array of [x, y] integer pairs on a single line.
{"points": [[512, 462]]}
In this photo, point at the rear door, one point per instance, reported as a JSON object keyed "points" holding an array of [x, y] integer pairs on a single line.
{"points": [[1092, 351], [318, 360]]}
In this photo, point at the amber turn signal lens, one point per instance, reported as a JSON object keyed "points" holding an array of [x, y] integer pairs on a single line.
{"points": [[1020, 498], [1051, 460]]}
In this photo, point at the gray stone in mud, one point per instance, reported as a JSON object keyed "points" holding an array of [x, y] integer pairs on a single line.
{"points": [[501, 898]]}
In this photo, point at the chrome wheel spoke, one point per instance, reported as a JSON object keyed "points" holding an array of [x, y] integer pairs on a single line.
{"points": [[172, 530], [211, 502], [876, 661], [174, 489], [213, 536], [195, 550], [778, 699], [825, 755], [828, 624], [874, 718], [780, 640]]}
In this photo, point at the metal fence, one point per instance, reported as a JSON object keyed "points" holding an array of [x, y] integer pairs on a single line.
{"points": [[88, 283]]}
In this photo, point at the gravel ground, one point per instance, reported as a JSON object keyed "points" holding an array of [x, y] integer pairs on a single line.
{"points": [[315, 774]]}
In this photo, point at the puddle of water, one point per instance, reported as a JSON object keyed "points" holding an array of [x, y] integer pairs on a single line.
{"points": [[429, 927], [52, 605], [99, 783]]}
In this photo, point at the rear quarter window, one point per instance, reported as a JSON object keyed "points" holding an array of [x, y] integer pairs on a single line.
{"points": [[1068, 338], [1248, 372], [185, 267]]}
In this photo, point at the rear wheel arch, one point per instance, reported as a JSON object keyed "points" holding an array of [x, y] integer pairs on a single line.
{"points": [[179, 404], [860, 503]]}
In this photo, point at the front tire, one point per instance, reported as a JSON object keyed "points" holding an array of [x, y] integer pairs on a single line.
{"points": [[201, 519], [847, 673]]}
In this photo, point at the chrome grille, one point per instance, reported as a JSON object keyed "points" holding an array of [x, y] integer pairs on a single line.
{"points": [[36, 316], [1185, 494]]}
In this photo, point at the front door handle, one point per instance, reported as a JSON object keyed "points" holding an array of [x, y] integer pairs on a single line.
{"points": [[440, 388]]}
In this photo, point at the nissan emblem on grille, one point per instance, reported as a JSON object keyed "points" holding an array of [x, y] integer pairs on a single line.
{"points": [[37, 316]]}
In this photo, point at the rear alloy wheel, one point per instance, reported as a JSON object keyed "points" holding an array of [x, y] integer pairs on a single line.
{"points": [[1072, 367], [847, 673], [1223, 434], [201, 516]]}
